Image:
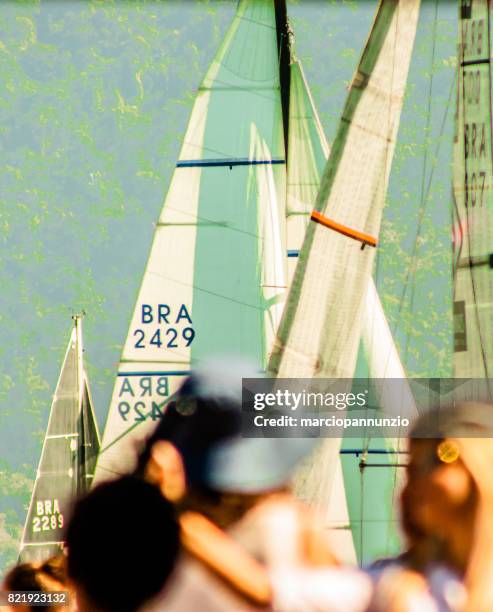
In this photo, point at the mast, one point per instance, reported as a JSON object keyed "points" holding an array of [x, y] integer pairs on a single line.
{"points": [[284, 51], [473, 195], [215, 278], [320, 329], [67, 459]]}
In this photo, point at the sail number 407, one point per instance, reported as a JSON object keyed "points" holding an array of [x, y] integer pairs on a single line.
{"points": [[174, 336]]}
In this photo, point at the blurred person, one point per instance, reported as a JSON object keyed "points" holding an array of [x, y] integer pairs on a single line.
{"points": [[122, 541], [447, 517], [447, 511], [230, 492], [46, 577], [403, 590]]}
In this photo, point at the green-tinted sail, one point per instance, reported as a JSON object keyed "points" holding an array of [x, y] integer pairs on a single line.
{"points": [[215, 278], [68, 458], [373, 468], [321, 324], [473, 195]]}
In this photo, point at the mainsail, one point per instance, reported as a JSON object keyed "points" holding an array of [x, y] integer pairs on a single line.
{"points": [[473, 195], [68, 458], [308, 154], [321, 325], [345, 511], [215, 278]]}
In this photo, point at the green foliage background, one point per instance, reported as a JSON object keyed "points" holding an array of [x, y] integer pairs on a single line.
{"points": [[94, 100]]}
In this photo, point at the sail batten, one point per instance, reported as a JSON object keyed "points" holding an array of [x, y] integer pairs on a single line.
{"points": [[229, 162]]}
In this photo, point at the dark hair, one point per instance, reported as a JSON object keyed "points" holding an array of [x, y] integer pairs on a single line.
{"points": [[49, 576], [56, 568], [193, 426], [122, 544], [164, 430]]}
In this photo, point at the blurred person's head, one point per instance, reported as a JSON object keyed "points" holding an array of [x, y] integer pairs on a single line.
{"points": [[439, 500], [122, 543], [449, 479], [198, 456], [45, 577]]}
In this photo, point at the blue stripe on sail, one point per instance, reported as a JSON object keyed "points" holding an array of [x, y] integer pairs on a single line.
{"points": [[293, 253], [229, 162], [172, 373]]}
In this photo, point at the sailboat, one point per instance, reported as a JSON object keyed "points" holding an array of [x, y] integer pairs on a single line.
{"points": [[472, 255], [230, 233], [216, 275], [217, 272], [322, 322], [472, 261], [68, 457]]}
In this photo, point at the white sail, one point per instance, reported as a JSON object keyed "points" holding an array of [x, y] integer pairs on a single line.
{"points": [[321, 325], [473, 196], [212, 281], [68, 457], [307, 157], [271, 249], [320, 330], [308, 153], [384, 363]]}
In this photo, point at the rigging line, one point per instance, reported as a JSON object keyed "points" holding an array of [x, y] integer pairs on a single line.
{"points": [[389, 113], [202, 147], [228, 87], [439, 143], [361, 505], [457, 235], [260, 23], [367, 441], [396, 17], [205, 220], [394, 475], [423, 202]]}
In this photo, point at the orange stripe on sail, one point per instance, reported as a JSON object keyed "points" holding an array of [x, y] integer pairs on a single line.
{"points": [[343, 229]]}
